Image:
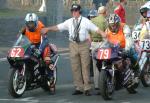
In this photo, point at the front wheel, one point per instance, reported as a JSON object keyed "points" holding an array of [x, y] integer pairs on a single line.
{"points": [[106, 85], [145, 75], [16, 83]]}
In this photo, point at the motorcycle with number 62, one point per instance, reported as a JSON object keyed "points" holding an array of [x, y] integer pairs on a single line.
{"points": [[28, 72]]}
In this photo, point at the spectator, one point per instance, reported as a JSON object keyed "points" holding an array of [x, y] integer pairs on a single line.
{"points": [[78, 28], [120, 10], [97, 39], [99, 3]]}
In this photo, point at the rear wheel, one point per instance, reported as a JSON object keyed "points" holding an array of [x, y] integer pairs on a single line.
{"points": [[106, 85], [145, 75], [16, 83]]}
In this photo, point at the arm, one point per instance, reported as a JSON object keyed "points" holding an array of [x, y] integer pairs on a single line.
{"points": [[129, 43], [103, 34], [51, 28], [23, 30], [143, 32], [60, 27], [93, 27]]}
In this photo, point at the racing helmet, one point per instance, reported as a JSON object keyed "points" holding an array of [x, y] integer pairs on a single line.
{"points": [[113, 22], [31, 21], [143, 11]]}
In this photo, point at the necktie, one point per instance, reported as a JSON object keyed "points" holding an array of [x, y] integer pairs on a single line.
{"points": [[76, 30]]}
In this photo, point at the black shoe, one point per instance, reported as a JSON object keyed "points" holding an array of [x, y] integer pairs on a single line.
{"points": [[131, 91], [96, 88], [52, 91], [98, 93], [77, 92], [87, 93]]}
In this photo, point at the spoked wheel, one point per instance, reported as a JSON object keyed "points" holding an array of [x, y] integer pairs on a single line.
{"points": [[17, 83], [145, 75], [106, 85]]}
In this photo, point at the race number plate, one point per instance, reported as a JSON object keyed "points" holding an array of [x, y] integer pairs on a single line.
{"points": [[135, 35], [145, 44], [104, 54], [16, 52]]}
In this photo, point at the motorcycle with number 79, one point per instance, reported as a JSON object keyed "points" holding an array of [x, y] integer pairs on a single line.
{"points": [[115, 70]]}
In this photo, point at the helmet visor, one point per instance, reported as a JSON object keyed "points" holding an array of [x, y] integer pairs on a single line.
{"points": [[31, 25], [113, 26]]}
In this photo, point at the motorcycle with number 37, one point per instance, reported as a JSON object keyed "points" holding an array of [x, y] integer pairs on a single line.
{"points": [[27, 72], [143, 49]]}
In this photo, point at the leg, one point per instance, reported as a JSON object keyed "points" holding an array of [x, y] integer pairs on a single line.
{"points": [[43, 44], [49, 66], [85, 62], [95, 69], [96, 74], [76, 66]]}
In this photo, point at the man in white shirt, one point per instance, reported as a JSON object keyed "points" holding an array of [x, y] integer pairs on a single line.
{"points": [[78, 28]]}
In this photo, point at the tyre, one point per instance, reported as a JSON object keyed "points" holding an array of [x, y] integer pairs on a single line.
{"points": [[45, 85], [16, 83], [106, 85], [145, 75]]}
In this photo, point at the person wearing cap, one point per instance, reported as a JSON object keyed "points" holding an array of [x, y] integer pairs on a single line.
{"points": [[144, 34], [78, 28], [98, 3], [92, 14], [97, 39], [120, 10]]}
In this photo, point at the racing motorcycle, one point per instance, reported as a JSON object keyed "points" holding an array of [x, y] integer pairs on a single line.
{"points": [[115, 70], [27, 71], [143, 49]]}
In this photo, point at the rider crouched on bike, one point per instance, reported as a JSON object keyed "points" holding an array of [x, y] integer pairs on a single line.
{"points": [[120, 33], [145, 32], [32, 31]]}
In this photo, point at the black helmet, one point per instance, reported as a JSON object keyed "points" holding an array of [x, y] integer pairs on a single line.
{"points": [[75, 7]]}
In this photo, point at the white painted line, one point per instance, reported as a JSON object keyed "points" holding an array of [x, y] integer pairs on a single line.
{"points": [[126, 102], [26, 99], [64, 54], [22, 100], [3, 59]]}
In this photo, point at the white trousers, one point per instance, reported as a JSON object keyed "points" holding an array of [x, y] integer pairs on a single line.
{"points": [[95, 45]]}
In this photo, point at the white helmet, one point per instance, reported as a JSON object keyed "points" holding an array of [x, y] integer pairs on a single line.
{"points": [[31, 21]]}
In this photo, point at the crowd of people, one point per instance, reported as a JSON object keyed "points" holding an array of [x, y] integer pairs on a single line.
{"points": [[93, 30]]}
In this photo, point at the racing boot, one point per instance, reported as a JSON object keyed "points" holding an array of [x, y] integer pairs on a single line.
{"points": [[128, 81], [51, 79]]}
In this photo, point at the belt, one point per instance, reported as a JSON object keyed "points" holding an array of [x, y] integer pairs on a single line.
{"points": [[78, 42], [96, 40]]}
